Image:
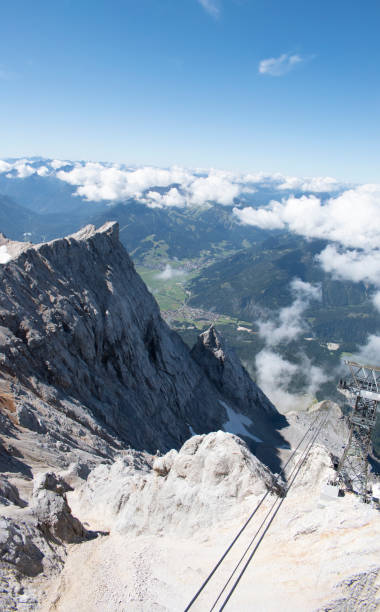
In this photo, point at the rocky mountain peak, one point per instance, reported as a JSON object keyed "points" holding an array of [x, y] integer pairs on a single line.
{"points": [[110, 229], [213, 341], [224, 369], [93, 367]]}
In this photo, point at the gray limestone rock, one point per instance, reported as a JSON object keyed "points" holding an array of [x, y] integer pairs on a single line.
{"points": [[18, 546], [9, 493], [27, 418], [49, 505], [99, 369], [202, 482], [224, 369]]}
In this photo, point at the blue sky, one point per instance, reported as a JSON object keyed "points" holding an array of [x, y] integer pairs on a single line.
{"points": [[178, 82]]}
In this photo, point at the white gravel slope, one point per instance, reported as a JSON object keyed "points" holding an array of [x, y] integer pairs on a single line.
{"points": [[318, 555]]}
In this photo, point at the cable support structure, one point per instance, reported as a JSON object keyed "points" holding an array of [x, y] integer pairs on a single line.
{"points": [[296, 470], [257, 507]]}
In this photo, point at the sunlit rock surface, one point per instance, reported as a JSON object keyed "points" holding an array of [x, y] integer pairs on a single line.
{"points": [[91, 364]]}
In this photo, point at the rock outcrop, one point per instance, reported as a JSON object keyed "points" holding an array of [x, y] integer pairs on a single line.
{"points": [[53, 514], [34, 537], [9, 493], [92, 367], [181, 491], [224, 369], [241, 395]]}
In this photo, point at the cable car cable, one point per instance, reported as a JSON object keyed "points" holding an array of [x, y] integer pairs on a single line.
{"points": [[256, 534], [272, 519], [247, 521]]}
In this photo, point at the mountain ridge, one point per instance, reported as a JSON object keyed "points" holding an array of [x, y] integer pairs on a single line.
{"points": [[80, 330]]}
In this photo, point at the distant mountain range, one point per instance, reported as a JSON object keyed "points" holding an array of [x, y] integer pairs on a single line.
{"points": [[249, 268], [237, 270]]}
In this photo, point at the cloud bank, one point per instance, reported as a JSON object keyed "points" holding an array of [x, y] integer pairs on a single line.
{"points": [[351, 265], [350, 222], [351, 219], [158, 187], [161, 187]]}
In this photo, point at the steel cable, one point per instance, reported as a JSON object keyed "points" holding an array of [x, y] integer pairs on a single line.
{"points": [[206, 581], [256, 534], [297, 469]]}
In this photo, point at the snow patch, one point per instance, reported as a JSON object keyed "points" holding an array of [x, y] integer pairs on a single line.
{"points": [[236, 423], [4, 255]]}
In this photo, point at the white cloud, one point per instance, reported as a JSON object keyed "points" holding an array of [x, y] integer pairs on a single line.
{"points": [[351, 265], [266, 218], [351, 222], [369, 354], [315, 377], [173, 197], [317, 184], [278, 66], [217, 186], [4, 166], [42, 171], [274, 373], [351, 219], [160, 187], [168, 273], [211, 6], [57, 163], [96, 182], [275, 376], [23, 169], [289, 323]]}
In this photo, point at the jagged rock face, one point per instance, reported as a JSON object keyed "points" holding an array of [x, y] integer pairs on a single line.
{"points": [[79, 329], [224, 370]]}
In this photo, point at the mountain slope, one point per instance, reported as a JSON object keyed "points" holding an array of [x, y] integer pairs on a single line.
{"points": [[84, 337], [15, 219], [259, 278], [87, 368], [151, 234], [46, 195]]}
